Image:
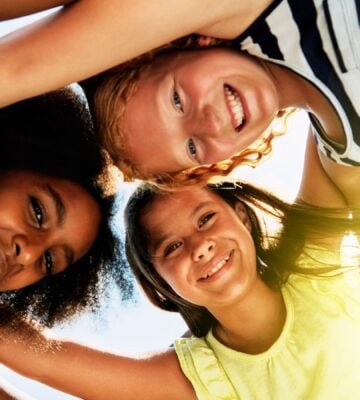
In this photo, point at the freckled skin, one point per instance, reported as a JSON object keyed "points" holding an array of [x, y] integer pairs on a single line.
{"points": [[159, 123]]}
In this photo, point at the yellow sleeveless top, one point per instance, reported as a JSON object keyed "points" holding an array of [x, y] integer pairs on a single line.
{"points": [[317, 355]]}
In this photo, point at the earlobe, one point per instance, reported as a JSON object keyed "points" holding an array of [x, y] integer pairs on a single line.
{"points": [[243, 215]]}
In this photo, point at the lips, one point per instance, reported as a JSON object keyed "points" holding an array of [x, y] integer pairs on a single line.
{"points": [[215, 267], [235, 107]]}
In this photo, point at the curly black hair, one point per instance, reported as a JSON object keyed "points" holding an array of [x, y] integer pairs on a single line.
{"points": [[53, 134]]}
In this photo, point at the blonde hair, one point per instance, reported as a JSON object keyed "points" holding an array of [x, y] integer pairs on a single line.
{"points": [[108, 99]]}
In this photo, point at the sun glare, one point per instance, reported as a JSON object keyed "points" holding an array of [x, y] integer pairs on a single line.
{"points": [[350, 250]]}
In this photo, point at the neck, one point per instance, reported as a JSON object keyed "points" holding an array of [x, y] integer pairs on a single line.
{"points": [[253, 324], [296, 91]]}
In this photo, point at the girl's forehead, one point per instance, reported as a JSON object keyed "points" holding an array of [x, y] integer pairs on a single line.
{"points": [[177, 205], [186, 198]]}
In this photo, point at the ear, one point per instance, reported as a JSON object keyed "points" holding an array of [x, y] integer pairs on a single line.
{"points": [[242, 214]]}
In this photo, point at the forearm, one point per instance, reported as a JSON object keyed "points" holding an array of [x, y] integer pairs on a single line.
{"points": [[91, 374], [90, 36], [68, 367], [87, 37], [12, 9]]}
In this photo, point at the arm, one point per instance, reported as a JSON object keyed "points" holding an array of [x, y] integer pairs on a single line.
{"points": [[327, 184], [12, 9], [90, 36], [91, 374]]}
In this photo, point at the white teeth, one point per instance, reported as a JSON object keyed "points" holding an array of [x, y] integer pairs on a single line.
{"points": [[236, 107], [217, 267]]}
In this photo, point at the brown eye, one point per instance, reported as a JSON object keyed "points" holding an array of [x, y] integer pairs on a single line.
{"points": [[170, 249], [49, 262], [37, 211], [205, 218]]}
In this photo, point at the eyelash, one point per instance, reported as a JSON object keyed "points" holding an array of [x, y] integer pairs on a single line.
{"points": [[192, 148], [49, 262], [176, 100], [171, 248], [38, 214], [205, 219]]}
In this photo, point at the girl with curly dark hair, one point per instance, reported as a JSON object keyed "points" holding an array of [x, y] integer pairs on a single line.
{"points": [[57, 249]]}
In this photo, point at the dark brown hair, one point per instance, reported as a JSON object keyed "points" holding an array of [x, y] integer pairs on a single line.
{"points": [[276, 252], [53, 134]]}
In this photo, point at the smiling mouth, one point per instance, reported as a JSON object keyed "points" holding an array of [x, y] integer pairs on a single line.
{"points": [[235, 107], [219, 265]]}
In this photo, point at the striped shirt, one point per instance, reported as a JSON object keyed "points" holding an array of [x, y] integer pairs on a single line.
{"points": [[320, 41]]}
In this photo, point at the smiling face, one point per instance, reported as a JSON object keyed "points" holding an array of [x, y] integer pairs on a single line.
{"points": [[206, 254], [197, 107], [46, 224]]}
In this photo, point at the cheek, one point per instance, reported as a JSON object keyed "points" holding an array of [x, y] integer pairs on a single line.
{"points": [[249, 253], [21, 279], [80, 236], [86, 226], [12, 212], [173, 274], [217, 150], [89, 236], [167, 274]]}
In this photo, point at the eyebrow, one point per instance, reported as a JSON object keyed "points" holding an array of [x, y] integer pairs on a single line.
{"points": [[60, 219], [164, 237], [59, 205]]}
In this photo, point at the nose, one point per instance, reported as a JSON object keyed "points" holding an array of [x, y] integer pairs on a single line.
{"points": [[28, 250], [207, 122], [203, 249]]}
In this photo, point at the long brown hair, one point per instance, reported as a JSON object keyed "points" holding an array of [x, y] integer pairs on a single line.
{"points": [[276, 252]]}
